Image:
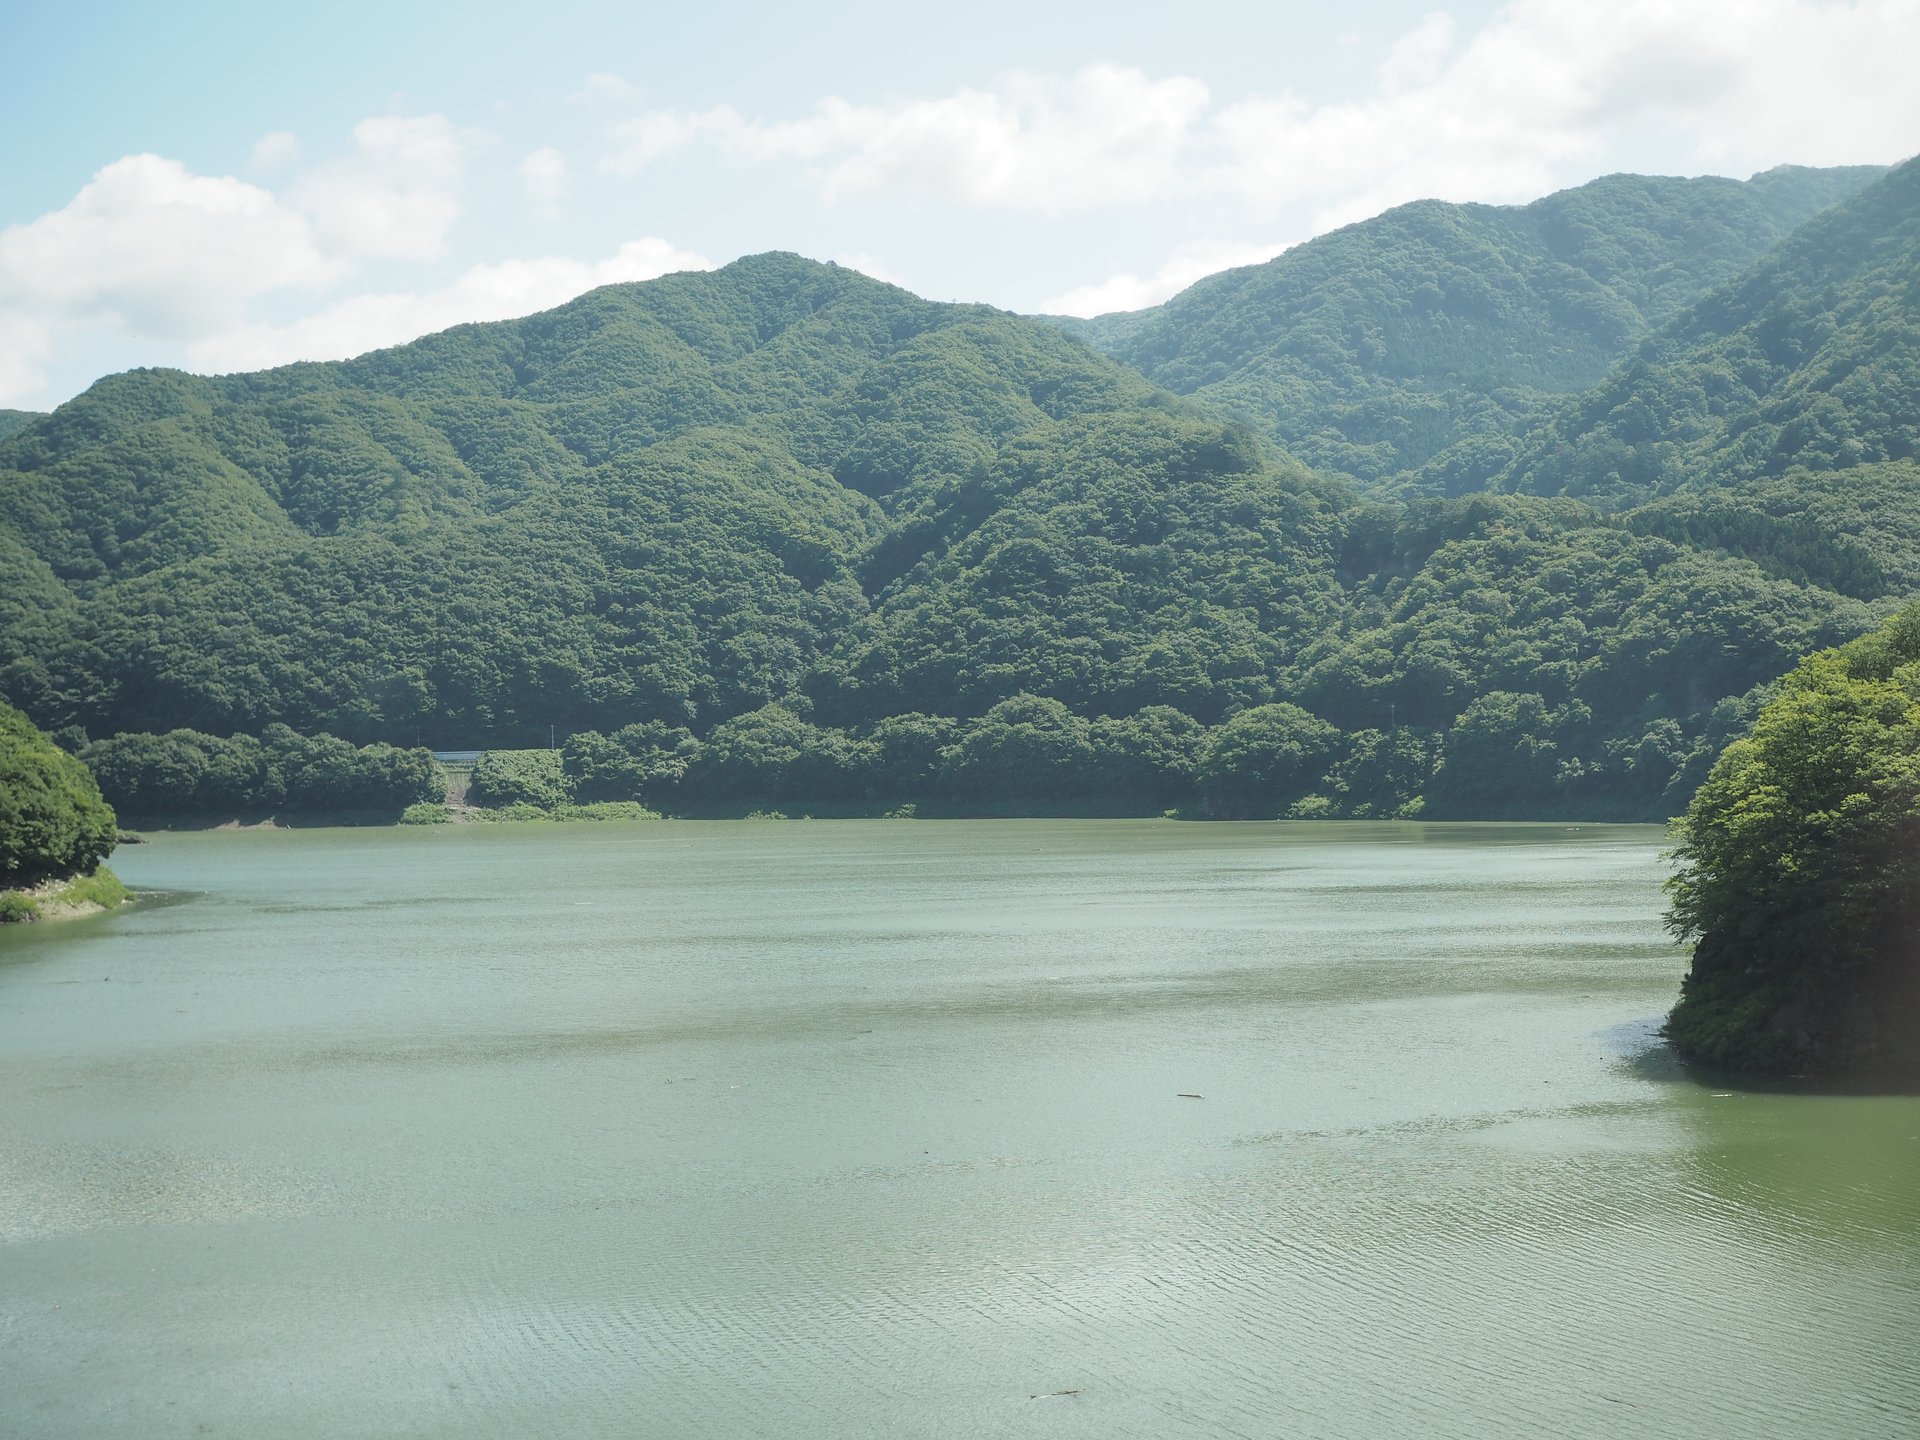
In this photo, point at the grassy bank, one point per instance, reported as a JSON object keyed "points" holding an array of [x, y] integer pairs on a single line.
{"points": [[67, 899], [431, 814]]}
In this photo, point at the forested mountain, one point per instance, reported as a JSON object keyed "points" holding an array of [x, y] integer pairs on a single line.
{"points": [[780, 532], [1422, 339], [12, 420], [661, 502], [1725, 500], [1809, 361]]}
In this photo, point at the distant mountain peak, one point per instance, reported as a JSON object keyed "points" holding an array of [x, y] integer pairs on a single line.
{"points": [[1419, 341]]}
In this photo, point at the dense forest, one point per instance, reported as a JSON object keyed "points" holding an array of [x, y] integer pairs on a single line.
{"points": [[1799, 879], [782, 534], [54, 827], [12, 420], [1405, 353], [184, 774]]}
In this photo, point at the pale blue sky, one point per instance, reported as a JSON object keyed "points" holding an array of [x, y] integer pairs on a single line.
{"points": [[427, 163]]}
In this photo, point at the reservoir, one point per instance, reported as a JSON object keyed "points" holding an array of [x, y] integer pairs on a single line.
{"points": [[913, 1128]]}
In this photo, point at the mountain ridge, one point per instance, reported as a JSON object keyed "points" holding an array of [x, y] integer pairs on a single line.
{"points": [[1375, 350], [784, 526]]}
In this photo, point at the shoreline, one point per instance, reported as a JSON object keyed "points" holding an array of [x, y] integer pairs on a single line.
{"points": [[487, 820], [434, 814], [72, 897]]}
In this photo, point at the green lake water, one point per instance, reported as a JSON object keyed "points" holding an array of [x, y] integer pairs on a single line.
{"points": [[860, 1129]]}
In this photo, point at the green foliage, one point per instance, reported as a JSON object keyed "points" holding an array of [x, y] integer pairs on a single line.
{"points": [[1026, 747], [12, 420], [1420, 340], [1152, 756], [604, 810], [188, 775], [1263, 760], [1108, 562], [518, 810], [775, 753], [1799, 872], [909, 751], [99, 890], [1501, 760], [425, 812], [654, 503], [1631, 642], [1808, 361], [53, 821], [504, 778], [634, 763], [601, 810], [1381, 775], [1855, 532]]}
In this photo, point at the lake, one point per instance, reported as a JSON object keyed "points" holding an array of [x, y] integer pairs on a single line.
{"points": [[884, 1128]]}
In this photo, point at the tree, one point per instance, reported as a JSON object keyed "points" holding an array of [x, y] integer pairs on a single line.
{"points": [[643, 761], [1262, 760], [1151, 755], [912, 748], [149, 775], [53, 822], [518, 777], [1799, 873], [1382, 773], [1501, 758], [184, 774], [775, 753], [1024, 747]]}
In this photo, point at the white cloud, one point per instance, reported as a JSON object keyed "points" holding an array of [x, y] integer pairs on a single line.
{"points": [[485, 292], [1130, 291], [1544, 94], [397, 195], [872, 267], [544, 175], [1417, 56], [638, 142], [1108, 135], [1547, 89], [150, 252], [151, 248], [1774, 81], [24, 352], [603, 88], [274, 152], [1537, 97]]}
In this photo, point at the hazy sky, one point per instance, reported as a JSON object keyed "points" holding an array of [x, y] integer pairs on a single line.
{"points": [[226, 186]]}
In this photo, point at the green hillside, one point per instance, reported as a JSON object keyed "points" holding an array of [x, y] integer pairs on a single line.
{"points": [[1808, 361], [12, 420], [784, 534], [1420, 340], [650, 503]]}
